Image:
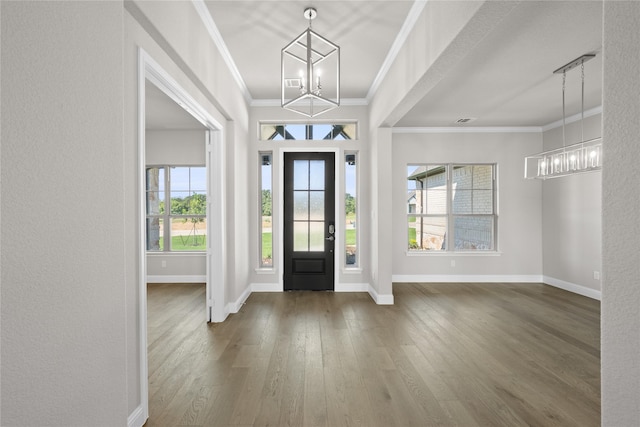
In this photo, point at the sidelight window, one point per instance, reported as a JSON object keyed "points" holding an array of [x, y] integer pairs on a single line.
{"points": [[266, 213], [350, 209]]}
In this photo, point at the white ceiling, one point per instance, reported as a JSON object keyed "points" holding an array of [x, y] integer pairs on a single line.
{"points": [[506, 80]]}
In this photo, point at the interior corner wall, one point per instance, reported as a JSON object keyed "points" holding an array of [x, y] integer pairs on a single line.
{"points": [[381, 214], [63, 261], [193, 61], [572, 218], [519, 255], [620, 344]]}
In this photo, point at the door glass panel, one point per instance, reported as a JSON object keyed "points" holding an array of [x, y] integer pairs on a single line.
{"points": [[316, 169], [300, 236], [316, 205], [316, 236], [300, 205], [300, 174]]}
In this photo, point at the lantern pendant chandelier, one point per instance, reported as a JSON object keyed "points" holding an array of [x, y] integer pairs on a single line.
{"points": [[310, 77], [584, 156]]}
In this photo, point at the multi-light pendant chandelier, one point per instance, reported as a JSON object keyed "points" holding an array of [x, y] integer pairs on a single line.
{"points": [[584, 156], [310, 77]]}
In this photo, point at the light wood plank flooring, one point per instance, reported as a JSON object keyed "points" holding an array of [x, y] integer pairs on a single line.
{"points": [[444, 355]]}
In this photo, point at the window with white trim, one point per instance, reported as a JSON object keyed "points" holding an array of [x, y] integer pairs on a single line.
{"points": [[176, 199], [350, 209], [266, 214], [451, 207]]}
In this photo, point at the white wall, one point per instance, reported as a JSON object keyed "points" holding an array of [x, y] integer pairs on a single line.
{"points": [[194, 61], [620, 206], [452, 29], [64, 325], [572, 218], [175, 147], [519, 256], [190, 58]]}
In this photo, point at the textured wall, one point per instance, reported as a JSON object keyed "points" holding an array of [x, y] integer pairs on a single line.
{"points": [[621, 227], [63, 261], [519, 211], [572, 215]]}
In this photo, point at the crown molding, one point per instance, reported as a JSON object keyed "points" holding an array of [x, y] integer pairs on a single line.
{"points": [[493, 129], [409, 23], [571, 119], [214, 33]]}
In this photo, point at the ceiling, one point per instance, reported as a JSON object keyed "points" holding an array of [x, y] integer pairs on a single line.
{"points": [[506, 80]]}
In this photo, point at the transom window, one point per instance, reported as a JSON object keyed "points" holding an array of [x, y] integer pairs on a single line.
{"points": [[176, 208], [302, 131], [451, 207]]}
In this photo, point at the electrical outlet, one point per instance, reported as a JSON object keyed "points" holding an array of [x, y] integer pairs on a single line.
{"points": [[453, 263], [596, 275], [164, 263]]}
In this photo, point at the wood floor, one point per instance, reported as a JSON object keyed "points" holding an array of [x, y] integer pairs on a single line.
{"points": [[443, 355]]}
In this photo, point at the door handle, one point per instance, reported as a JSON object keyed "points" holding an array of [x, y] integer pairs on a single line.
{"points": [[330, 238]]}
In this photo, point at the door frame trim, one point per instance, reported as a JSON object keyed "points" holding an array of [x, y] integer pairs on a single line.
{"points": [[152, 71], [337, 192]]}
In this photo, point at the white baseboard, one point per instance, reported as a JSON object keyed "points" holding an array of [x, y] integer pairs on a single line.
{"points": [[266, 287], [137, 418], [465, 278], [341, 287], [572, 287], [352, 287], [380, 299], [176, 279], [234, 307]]}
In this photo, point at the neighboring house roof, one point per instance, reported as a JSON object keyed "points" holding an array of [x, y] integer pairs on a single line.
{"points": [[422, 172]]}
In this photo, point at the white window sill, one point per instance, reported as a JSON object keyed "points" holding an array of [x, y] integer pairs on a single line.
{"points": [[456, 254], [354, 270], [265, 270], [175, 253]]}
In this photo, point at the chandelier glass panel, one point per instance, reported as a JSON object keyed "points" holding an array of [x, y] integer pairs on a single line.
{"points": [[310, 77], [584, 156]]}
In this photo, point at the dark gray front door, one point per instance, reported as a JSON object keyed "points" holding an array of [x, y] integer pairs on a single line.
{"points": [[309, 221]]}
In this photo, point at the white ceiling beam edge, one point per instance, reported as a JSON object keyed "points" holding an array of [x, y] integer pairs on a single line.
{"points": [[207, 19], [574, 118], [407, 26]]}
